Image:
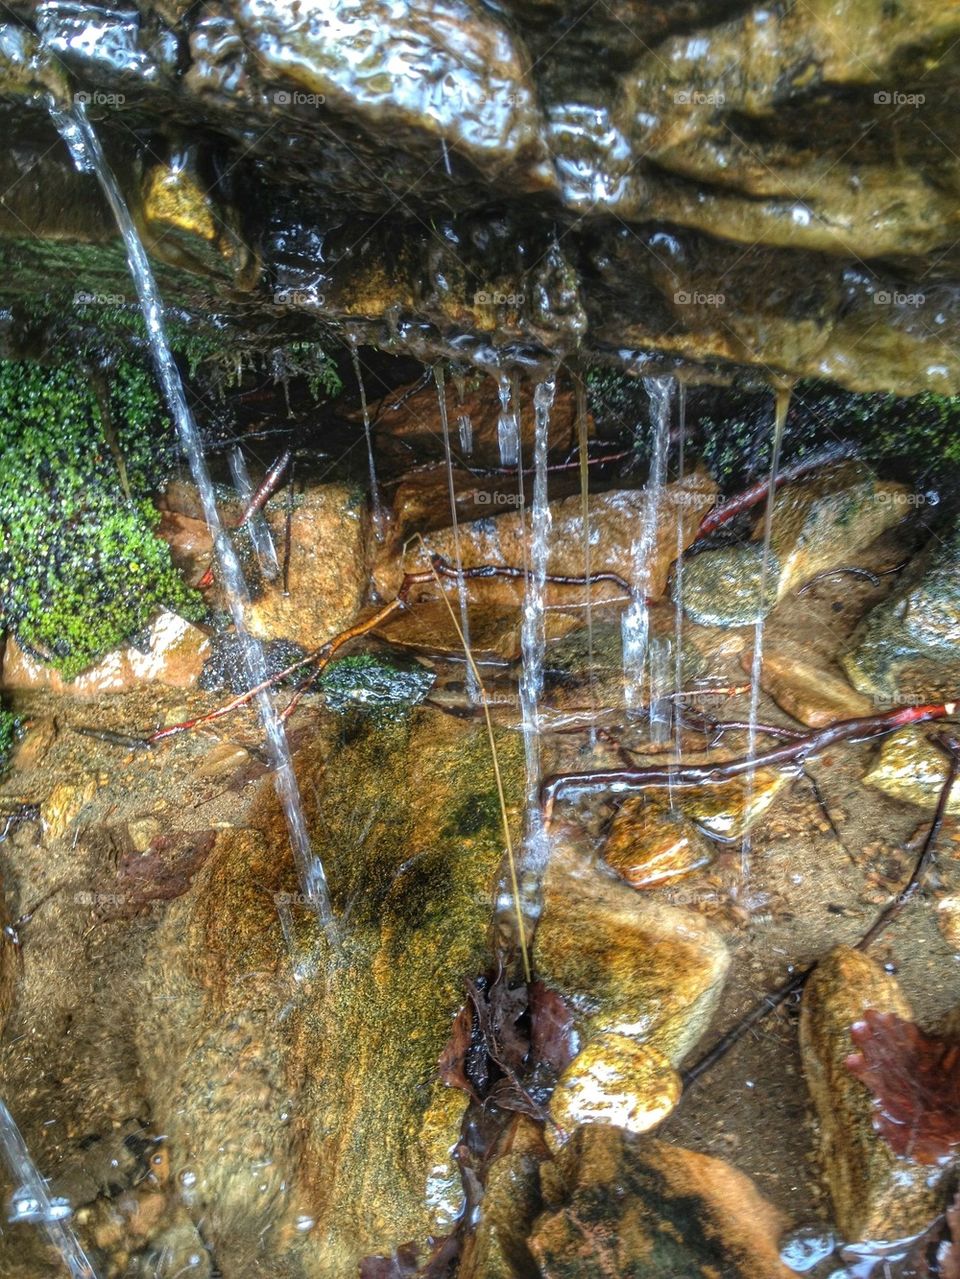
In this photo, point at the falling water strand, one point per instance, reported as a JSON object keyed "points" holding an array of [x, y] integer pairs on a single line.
{"points": [[259, 529], [533, 648], [678, 580], [464, 423], [31, 1202], [585, 522], [782, 407], [636, 620], [472, 689], [74, 126], [508, 426], [378, 528]]}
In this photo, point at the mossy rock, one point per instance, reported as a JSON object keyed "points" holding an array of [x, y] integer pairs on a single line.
{"points": [[81, 569]]}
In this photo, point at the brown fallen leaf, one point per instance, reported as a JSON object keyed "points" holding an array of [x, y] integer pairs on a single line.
{"points": [[915, 1081]]}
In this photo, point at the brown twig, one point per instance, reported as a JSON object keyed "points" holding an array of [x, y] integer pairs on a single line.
{"points": [[266, 488], [883, 921], [625, 780], [853, 571]]}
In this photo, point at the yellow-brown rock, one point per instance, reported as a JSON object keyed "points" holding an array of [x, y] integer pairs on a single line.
{"points": [[649, 845], [809, 691], [328, 568], [615, 1081], [727, 810], [910, 768], [619, 1204], [948, 918], [497, 1248], [623, 961], [876, 1194], [64, 803]]}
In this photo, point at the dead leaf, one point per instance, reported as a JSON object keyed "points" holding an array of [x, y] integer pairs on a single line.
{"points": [[915, 1081], [552, 1036]]}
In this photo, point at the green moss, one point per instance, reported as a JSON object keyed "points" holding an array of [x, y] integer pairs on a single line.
{"points": [[8, 735], [81, 569]]}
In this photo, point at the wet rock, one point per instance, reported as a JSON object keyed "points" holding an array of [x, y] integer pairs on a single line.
{"points": [[803, 1249], [191, 546], [328, 569], [404, 813], [65, 803], [375, 684], [911, 768], [807, 690], [822, 521], [906, 647], [494, 629], [497, 1248], [876, 1195], [649, 844], [616, 1081], [619, 1204], [615, 520], [40, 734], [727, 810], [625, 963], [173, 655], [723, 587], [817, 524], [226, 757], [226, 667]]}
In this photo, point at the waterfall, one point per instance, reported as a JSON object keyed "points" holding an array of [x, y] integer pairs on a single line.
{"points": [[260, 535], [585, 520], [533, 640], [678, 582], [636, 620], [375, 503], [31, 1202], [782, 407], [84, 145], [472, 689]]}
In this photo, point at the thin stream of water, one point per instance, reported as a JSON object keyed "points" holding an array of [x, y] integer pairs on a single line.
{"points": [[472, 690], [31, 1202], [464, 424], [84, 145], [582, 425], [377, 506], [678, 584], [781, 409], [508, 425], [258, 528], [533, 642], [636, 620]]}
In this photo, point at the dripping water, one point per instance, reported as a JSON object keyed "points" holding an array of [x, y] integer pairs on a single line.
{"points": [[464, 424], [31, 1202], [678, 582], [472, 689], [781, 408], [84, 146], [508, 426], [258, 528], [636, 620], [378, 528], [585, 521], [533, 646]]}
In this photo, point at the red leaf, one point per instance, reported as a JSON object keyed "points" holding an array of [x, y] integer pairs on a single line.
{"points": [[915, 1081], [553, 1040]]}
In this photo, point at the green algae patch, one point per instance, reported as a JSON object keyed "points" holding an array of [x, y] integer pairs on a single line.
{"points": [[8, 736], [81, 568], [375, 685]]}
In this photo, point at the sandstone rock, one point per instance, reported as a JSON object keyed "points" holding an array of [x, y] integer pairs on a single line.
{"points": [[615, 1081], [64, 803], [648, 844], [328, 569], [619, 1204], [175, 653], [948, 917], [41, 733], [497, 1248], [906, 647], [722, 587], [615, 520], [911, 768], [191, 546], [625, 963], [494, 629], [876, 1195], [808, 691]]}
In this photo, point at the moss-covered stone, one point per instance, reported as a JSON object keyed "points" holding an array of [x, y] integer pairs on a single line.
{"points": [[375, 685], [81, 569], [8, 732]]}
